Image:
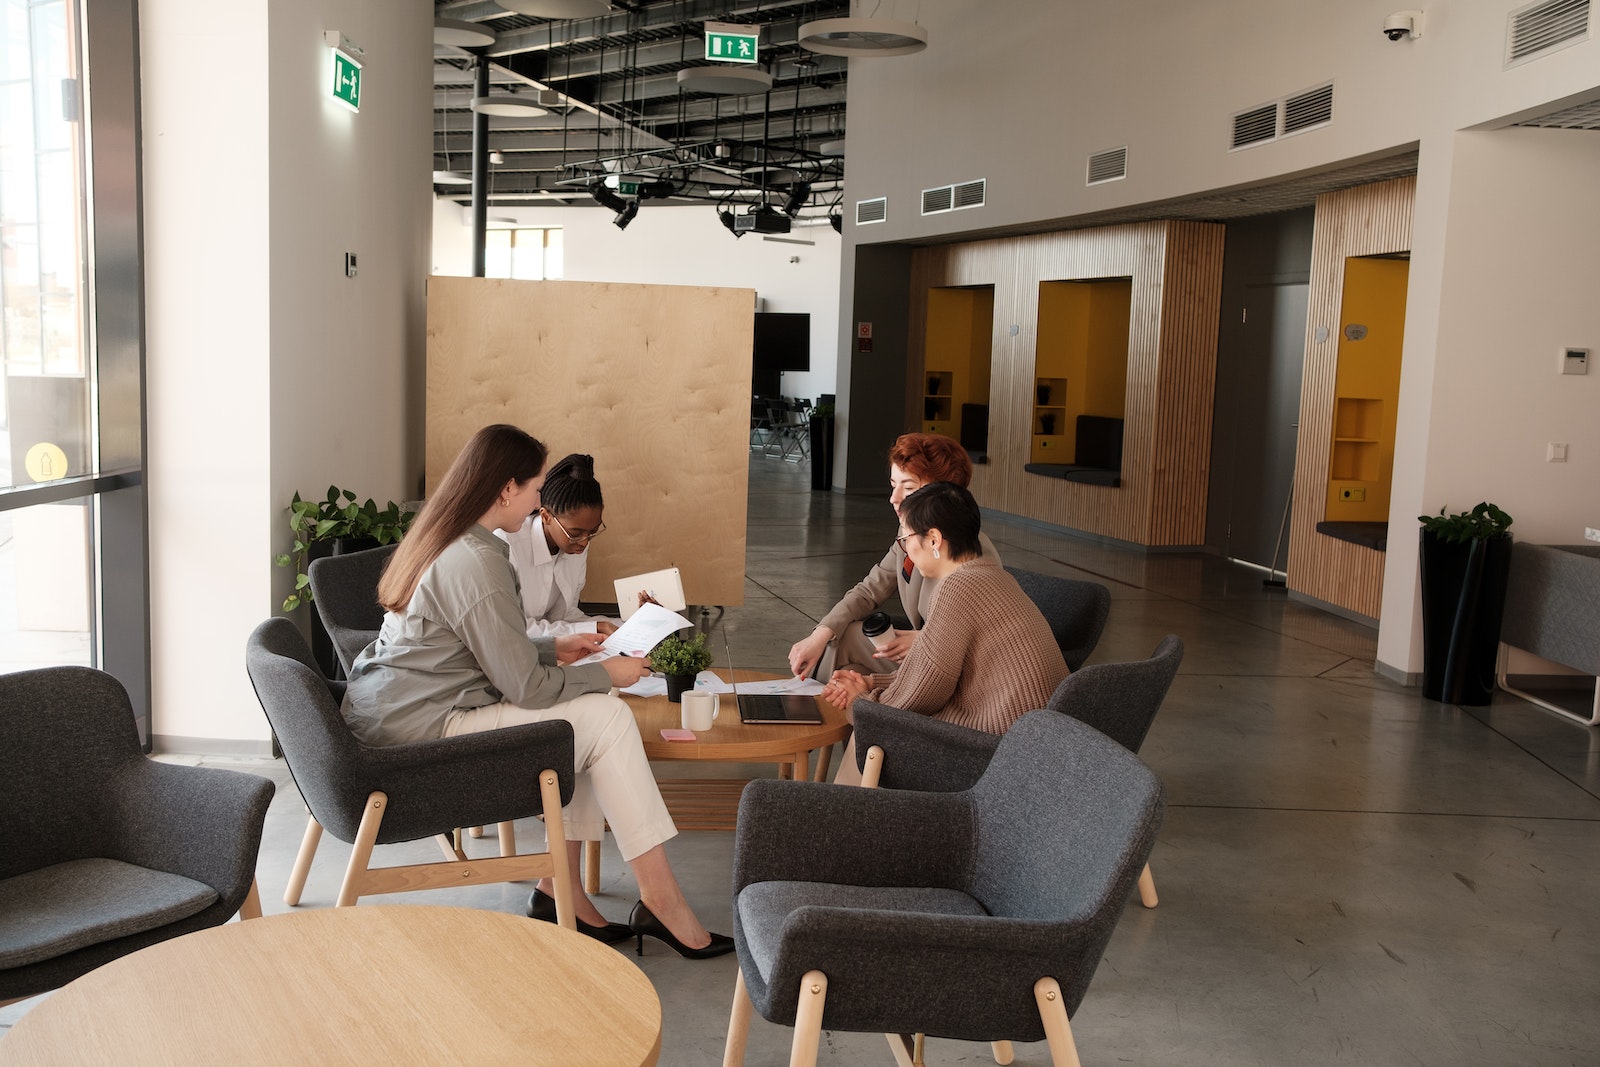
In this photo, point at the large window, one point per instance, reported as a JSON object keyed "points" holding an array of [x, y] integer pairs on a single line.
{"points": [[530, 253], [72, 559]]}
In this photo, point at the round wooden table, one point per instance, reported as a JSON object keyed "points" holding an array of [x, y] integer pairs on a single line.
{"points": [[732, 741], [375, 984]]}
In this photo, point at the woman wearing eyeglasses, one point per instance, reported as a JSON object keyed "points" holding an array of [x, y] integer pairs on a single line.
{"points": [[985, 656], [550, 553]]}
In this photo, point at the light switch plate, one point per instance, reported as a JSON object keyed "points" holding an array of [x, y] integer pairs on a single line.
{"points": [[1555, 452], [1574, 361]]}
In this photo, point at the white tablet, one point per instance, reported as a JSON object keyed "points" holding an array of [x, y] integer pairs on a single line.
{"points": [[665, 586]]}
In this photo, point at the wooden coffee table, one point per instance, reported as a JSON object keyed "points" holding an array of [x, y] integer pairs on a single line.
{"points": [[371, 984], [712, 804]]}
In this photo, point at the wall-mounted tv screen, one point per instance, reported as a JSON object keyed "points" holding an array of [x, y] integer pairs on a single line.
{"points": [[782, 341]]}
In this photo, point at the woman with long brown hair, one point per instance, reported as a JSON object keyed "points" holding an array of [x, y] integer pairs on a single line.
{"points": [[453, 657]]}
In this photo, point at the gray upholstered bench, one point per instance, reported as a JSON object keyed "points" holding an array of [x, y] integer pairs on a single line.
{"points": [[1553, 611]]}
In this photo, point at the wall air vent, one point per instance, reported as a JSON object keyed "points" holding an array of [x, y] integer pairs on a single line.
{"points": [[875, 210], [953, 197], [1256, 126], [1107, 166], [1308, 109], [937, 200], [1534, 29]]}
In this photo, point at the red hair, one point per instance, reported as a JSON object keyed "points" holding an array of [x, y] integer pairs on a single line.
{"points": [[932, 457]]}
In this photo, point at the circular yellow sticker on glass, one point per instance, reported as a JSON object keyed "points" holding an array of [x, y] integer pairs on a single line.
{"points": [[45, 462]]}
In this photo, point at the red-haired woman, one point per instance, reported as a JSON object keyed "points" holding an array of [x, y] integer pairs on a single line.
{"points": [[917, 459]]}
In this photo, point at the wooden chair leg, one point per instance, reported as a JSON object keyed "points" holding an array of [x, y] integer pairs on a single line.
{"points": [[450, 845], [1057, 1031], [361, 848], [302, 861], [556, 834], [591, 866], [808, 1020], [738, 1023], [251, 908], [508, 839], [901, 1046], [475, 831], [1147, 888], [874, 768], [1003, 1052]]}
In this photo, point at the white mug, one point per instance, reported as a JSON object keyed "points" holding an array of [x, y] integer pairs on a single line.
{"points": [[699, 710]]}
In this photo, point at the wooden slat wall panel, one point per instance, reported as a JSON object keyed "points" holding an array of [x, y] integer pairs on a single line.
{"points": [[1365, 221], [652, 380], [1171, 365]]}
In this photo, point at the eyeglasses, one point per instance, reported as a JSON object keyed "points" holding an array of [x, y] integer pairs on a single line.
{"points": [[581, 535], [901, 540]]}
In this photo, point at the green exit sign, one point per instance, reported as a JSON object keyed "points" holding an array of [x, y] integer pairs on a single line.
{"points": [[346, 80], [729, 47], [627, 188]]}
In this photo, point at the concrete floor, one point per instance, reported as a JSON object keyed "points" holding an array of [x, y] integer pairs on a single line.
{"points": [[1348, 872]]}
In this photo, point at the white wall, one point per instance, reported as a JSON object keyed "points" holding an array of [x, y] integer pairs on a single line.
{"points": [[267, 370], [682, 246], [1517, 285]]}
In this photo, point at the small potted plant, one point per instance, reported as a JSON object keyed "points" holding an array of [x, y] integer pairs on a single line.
{"points": [[680, 660], [333, 527]]}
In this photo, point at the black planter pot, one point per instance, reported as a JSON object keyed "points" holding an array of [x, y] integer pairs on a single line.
{"points": [[822, 454], [321, 643], [677, 685], [1463, 601]]}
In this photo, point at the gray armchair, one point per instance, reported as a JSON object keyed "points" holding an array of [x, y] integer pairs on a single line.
{"points": [[899, 749], [102, 850], [345, 590], [979, 915], [379, 795], [1076, 611]]}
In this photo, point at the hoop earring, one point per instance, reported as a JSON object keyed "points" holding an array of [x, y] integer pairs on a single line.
{"points": [[936, 553]]}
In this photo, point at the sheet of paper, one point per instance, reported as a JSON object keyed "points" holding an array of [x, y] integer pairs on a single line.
{"points": [[651, 685], [642, 632], [805, 687]]}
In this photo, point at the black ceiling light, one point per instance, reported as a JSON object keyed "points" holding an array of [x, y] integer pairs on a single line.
{"points": [[725, 217], [836, 220], [630, 208], [799, 193], [606, 198]]}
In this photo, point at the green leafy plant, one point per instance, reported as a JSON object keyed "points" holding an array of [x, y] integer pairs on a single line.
{"points": [[822, 411], [674, 655], [1484, 521], [338, 516]]}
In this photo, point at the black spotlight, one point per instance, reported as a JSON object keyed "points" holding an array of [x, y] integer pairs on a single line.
{"points": [[837, 222], [630, 208], [799, 193], [606, 198], [726, 218]]}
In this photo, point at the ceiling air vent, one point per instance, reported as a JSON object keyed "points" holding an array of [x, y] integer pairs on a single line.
{"points": [[1108, 166], [1535, 29], [936, 200], [1255, 126], [875, 210], [1309, 109], [969, 194]]}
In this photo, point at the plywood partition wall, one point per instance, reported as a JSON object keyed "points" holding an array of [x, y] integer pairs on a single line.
{"points": [[1368, 220], [1176, 279], [652, 380]]}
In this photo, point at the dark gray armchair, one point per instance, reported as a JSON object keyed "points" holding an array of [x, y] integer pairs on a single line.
{"points": [[102, 850], [345, 590], [898, 749], [979, 915], [373, 796], [1076, 611]]}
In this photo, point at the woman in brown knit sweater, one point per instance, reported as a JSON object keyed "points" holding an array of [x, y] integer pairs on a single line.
{"points": [[986, 656]]}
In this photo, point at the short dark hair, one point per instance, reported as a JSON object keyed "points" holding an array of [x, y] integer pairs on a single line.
{"points": [[570, 484], [948, 508]]}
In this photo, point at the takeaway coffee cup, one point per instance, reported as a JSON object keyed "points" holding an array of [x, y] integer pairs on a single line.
{"points": [[699, 710], [877, 629]]}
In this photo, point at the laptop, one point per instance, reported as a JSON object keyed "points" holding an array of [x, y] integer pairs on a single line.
{"points": [[763, 708]]}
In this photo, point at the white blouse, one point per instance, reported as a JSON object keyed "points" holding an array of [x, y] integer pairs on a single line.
{"points": [[550, 582]]}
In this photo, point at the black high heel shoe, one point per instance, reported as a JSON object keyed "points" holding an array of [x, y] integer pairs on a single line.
{"points": [[542, 906], [643, 921]]}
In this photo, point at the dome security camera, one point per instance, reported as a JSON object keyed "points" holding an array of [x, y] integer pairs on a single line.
{"points": [[1403, 24]]}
